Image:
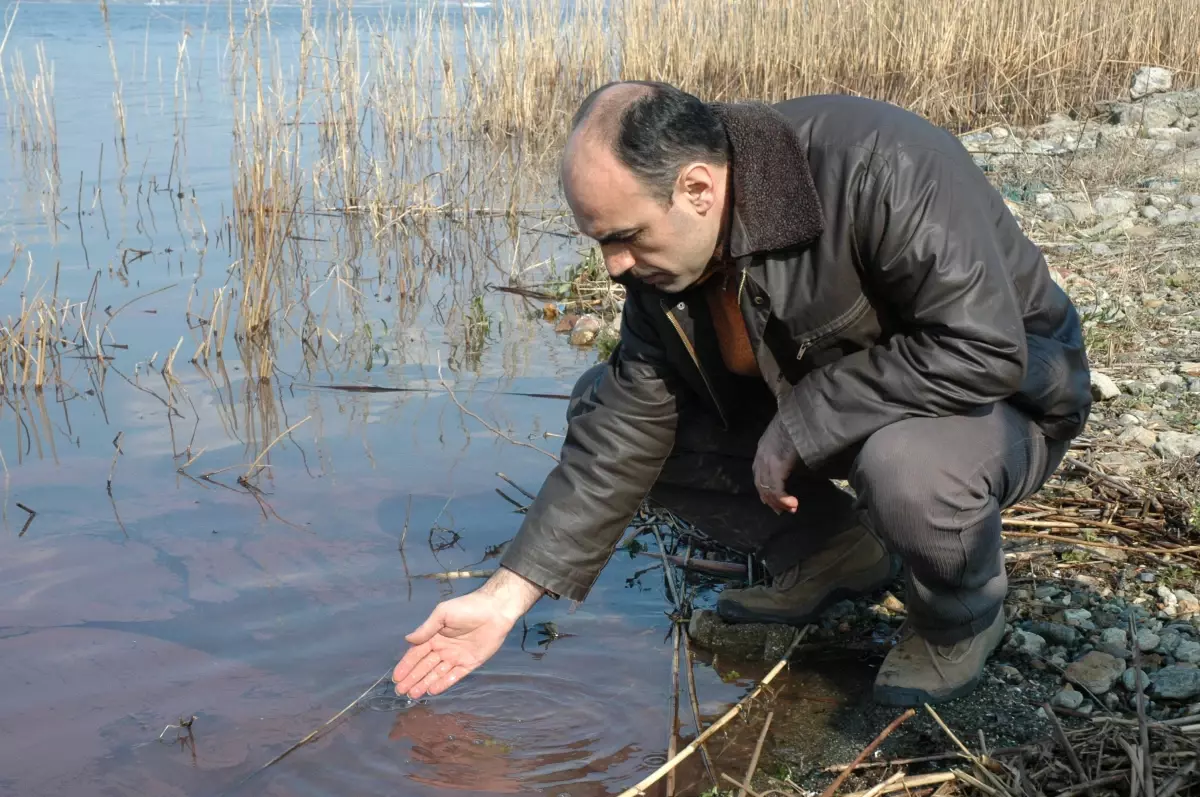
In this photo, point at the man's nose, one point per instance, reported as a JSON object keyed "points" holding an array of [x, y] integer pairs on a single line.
{"points": [[618, 262]]}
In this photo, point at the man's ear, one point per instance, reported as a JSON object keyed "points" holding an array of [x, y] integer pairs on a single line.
{"points": [[698, 185]]}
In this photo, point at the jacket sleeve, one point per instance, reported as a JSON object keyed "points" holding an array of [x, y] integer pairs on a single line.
{"points": [[927, 237], [611, 457]]}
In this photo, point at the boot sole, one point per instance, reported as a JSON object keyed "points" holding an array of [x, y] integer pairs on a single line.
{"points": [[734, 613]]}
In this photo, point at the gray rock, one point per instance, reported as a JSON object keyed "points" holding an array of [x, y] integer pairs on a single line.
{"points": [[1057, 633], [1112, 205], [1100, 250], [1188, 652], [1150, 80], [1176, 683], [1129, 419], [1046, 591], [1147, 640], [1068, 698], [1103, 387], [1130, 679], [1168, 642], [1192, 201], [1166, 595], [1096, 672], [1150, 212], [1028, 642], [1114, 636], [1174, 218], [1161, 201], [1077, 616], [1116, 651], [1010, 674], [1138, 435], [1174, 383], [1043, 199], [1156, 112], [1177, 445]]}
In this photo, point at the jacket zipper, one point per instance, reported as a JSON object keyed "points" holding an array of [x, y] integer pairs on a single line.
{"points": [[691, 351], [856, 311]]}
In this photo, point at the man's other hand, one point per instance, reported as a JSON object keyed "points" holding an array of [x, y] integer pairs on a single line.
{"points": [[773, 464], [463, 633]]}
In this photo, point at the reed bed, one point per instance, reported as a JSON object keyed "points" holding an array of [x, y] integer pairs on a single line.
{"points": [[960, 64]]}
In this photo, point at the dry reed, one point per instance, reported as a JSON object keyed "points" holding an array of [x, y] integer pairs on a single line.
{"points": [[957, 63]]}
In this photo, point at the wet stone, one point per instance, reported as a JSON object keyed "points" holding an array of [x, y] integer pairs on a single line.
{"points": [[1147, 576], [1028, 642], [750, 641]]}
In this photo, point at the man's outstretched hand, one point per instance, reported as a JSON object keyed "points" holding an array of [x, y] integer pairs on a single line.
{"points": [[773, 463], [463, 633]]}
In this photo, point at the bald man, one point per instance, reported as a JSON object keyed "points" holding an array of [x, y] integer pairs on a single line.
{"points": [[821, 290]]}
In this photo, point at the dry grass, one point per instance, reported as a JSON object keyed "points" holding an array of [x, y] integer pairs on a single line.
{"points": [[958, 63]]}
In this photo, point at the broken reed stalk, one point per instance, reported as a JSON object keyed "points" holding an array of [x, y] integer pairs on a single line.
{"points": [[316, 731], [753, 766], [694, 699], [832, 788], [907, 784], [673, 736], [641, 786], [450, 392]]}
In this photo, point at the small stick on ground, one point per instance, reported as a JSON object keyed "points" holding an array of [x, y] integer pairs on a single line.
{"points": [[866, 751], [762, 737], [1072, 757], [878, 788], [913, 782], [741, 786], [1143, 731], [518, 487]]}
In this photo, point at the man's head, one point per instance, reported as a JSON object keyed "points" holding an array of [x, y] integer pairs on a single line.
{"points": [[645, 173]]}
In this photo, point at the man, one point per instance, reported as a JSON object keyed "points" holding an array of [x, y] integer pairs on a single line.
{"points": [[827, 288]]}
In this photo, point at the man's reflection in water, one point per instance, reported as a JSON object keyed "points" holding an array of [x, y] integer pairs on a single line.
{"points": [[457, 754]]}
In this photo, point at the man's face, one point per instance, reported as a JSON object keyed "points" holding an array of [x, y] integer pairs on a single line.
{"points": [[667, 247]]}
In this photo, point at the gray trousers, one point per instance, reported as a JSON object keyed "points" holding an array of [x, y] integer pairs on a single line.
{"points": [[930, 488]]}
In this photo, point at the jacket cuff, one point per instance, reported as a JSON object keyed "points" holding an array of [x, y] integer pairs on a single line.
{"points": [[546, 574], [801, 433]]}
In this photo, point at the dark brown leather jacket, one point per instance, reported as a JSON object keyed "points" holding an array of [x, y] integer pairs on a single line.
{"points": [[882, 276]]}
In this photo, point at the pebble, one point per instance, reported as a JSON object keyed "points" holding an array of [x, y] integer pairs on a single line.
{"points": [[1114, 636], [1046, 592], [1011, 674], [1028, 642], [1172, 384], [1167, 596], [1168, 642], [1176, 683], [1103, 387], [1116, 651], [1096, 671], [1147, 640], [1147, 576], [1068, 698], [1160, 201], [1150, 212], [1077, 616], [1174, 218], [1057, 633], [1129, 679], [1188, 652]]}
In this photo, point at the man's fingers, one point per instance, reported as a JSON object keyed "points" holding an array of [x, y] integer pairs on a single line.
{"points": [[449, 679], [413, 679], [410, 658]]}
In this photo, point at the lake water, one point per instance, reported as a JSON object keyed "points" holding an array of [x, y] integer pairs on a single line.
{"points": [[156, 584]]}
